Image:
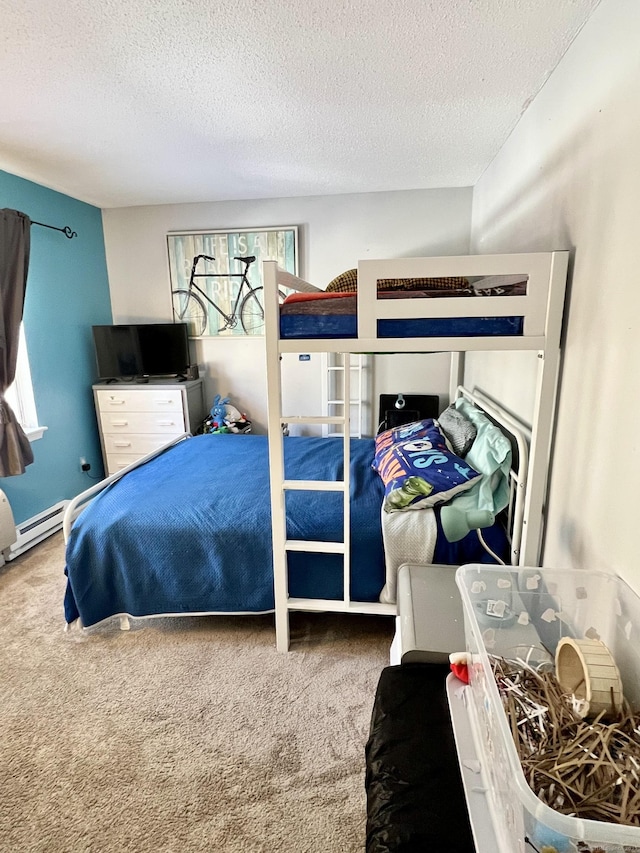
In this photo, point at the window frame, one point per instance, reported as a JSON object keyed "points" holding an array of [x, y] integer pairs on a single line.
{"points": [[20, 394]]}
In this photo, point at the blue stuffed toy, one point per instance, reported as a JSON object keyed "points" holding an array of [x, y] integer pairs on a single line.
{"points": [[219, 412], [224, 418]]}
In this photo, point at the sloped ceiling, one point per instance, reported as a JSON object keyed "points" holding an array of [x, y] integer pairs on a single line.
{"points": [[135, 102]]}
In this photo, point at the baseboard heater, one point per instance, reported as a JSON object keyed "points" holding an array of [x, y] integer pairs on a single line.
{"points": [[35, 529]]}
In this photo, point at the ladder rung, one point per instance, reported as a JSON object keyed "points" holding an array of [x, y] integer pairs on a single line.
{"points": [[313, 419], [315, 547], [341, 606], [341, 435], [314, 485]]}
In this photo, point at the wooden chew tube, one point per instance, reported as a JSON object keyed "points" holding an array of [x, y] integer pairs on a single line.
{"points": [[586, 669]]}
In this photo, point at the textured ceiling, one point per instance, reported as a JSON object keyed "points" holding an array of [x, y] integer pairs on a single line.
{"points": [[129, 102]]}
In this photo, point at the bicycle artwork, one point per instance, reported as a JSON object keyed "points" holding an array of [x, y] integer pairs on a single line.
{"points": [[216, 278], [248, 307]]}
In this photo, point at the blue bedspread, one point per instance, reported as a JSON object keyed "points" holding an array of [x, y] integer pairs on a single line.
{"points": [[190, 531]]}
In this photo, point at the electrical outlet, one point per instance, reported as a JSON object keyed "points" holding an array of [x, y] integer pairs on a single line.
{"points": [[84, 465]]}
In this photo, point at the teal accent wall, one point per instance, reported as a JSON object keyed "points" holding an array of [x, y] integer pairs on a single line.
{"points": [[67, 292]]}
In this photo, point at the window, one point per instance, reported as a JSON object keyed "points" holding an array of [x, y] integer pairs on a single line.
{"points": [[20, 394]]}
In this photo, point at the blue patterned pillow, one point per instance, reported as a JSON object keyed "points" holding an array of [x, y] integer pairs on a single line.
{"points": [[422, 472], [385, 440]]}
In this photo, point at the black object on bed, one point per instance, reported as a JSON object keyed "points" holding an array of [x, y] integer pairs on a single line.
{"points": [[398, 409], [415, 798]]}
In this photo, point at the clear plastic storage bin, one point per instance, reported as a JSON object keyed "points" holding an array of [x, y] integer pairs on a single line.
{"points": [[523, 613]]}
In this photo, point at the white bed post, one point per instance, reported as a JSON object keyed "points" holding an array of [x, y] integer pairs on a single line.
{"points": [[544, 414], [276, 453], [456, 374], [346, 502]]}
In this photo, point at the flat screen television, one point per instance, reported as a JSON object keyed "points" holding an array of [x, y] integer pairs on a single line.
{"points": [[139, 350]]}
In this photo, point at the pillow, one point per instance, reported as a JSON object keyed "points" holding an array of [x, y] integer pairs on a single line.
{"points": [[347, 282], [458, 430], [413, 430], [422, 472]]}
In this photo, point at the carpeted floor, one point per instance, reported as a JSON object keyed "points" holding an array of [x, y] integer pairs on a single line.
{"points": [[185, 735]]}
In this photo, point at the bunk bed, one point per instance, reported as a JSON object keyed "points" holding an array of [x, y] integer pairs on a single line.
{"points": [[524, 314], [200, 526]]}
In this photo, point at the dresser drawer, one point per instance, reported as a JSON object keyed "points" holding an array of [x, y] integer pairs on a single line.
{"points": [[117, 461], [142, 422], [136, 445], [151, 400]]}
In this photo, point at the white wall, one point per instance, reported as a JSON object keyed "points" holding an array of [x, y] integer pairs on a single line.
{"points": [[335, 233], [569, 178]]}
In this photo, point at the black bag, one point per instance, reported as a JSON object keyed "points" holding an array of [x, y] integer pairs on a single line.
{"points": [[415, 798]]}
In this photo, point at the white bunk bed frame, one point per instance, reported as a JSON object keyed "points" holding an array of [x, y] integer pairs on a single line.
{"points": [[541, 308]]}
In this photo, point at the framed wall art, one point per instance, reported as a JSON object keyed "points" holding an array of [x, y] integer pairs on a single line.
{"points": [[216, 277]]}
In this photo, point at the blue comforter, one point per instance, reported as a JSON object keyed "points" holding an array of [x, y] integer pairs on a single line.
{"points": [[190, 531]]}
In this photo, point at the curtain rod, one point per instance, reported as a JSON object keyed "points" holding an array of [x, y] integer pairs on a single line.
{"points": [[66, 230]]}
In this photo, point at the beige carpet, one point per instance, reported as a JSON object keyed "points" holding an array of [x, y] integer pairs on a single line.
{"points": [[192, 734]]}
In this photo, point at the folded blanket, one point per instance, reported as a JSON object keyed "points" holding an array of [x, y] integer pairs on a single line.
{"points": [[324, 303], [408, 537]]}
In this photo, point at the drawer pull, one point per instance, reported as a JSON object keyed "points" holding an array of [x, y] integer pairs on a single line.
{"points": [[116, 402], [122, 443], [166, 423], [165, 402], [119, 423]]}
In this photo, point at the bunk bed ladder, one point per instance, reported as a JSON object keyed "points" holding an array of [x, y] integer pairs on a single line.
{"points": [[280, 486], [333, 399]]}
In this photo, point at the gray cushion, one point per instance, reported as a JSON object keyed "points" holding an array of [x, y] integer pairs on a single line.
{"points": [[457, 429]]}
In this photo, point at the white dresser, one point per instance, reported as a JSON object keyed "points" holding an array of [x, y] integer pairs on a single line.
{"points": [[137, 419]]}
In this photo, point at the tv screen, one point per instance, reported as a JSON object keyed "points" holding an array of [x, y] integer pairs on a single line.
{"points": [[144, 349]]}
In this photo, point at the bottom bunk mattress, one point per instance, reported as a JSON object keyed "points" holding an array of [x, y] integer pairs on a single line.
{"points": [[190, 531]]}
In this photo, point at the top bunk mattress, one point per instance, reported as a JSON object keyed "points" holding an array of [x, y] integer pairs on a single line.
{"points": [[334, 313], [464, 302]]}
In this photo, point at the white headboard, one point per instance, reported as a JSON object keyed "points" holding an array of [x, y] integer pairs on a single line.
{"points": [[520, 438]]}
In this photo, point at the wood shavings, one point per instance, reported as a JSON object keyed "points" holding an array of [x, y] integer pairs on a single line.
{"points": [[589, 770]]}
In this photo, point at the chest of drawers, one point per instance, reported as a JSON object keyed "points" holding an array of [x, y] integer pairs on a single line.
{"points": [[134, 420]]}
